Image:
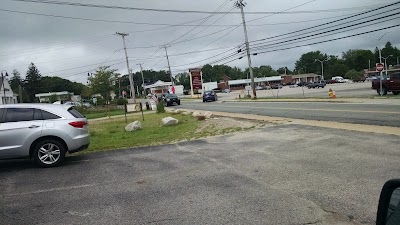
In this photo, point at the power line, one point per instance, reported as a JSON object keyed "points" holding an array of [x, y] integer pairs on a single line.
{"points": [[335, 39], [285, 42], [329, 31], [184, 11], [167, 25], [359, 14]]}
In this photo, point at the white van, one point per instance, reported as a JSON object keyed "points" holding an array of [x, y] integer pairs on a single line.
{"points": [[339, 79]]}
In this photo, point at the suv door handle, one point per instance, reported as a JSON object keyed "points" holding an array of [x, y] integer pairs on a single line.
{"points": [[34, 126]]}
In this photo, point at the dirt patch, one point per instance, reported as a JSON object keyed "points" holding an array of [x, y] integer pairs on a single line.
{"points": [[222, 125]]}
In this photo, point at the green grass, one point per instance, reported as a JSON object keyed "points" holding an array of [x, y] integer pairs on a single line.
{"points": [[94, 115], [111, 134]]}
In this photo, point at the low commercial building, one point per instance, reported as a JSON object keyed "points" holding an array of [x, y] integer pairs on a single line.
{"points": [[7, 96], [259, 81], [295, 79], [61, 96]]}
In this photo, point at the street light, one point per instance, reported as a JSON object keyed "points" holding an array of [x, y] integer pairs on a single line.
{"points": [[322, 66], [380, 61], [3, 80], [386, 68]]}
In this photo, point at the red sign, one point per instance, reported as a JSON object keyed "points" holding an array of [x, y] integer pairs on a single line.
{"points": [[197, 82], [380, 67]]}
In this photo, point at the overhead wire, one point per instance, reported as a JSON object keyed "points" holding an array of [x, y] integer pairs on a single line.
{"points": [[180, 11]]}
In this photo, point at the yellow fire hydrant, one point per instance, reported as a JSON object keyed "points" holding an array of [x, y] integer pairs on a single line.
{"points": [[330, 93]]}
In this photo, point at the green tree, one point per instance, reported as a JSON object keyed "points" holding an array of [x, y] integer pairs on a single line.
{"points": [[57, 84], [263, 71], [32, 82], [103, 82], [358, 59], [337, 69], [16, 81], [307, 64], [388, 50], [53, 98], [282, 70], [183, 79], [353, 74]]}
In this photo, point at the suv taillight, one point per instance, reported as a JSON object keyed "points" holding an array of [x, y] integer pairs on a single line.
{"points": [[78, 124]]}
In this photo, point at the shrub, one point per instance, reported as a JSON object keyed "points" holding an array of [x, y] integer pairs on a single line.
{"points": [[160, 107], [122, 101], [200, 117]]}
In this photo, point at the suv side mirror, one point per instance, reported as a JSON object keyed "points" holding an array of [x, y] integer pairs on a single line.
{"points": [[389, 204]]}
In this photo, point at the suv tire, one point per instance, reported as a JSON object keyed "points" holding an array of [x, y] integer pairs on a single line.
{"points": [[49, 153], [396, 92]]}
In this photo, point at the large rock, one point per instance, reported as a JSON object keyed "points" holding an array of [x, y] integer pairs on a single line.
{"points": [[208, 114], [133, 126], [196, 114], [169, 121], [186, 113]]}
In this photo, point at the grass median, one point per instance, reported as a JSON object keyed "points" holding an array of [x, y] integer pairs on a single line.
{"points": [[110, 134]]}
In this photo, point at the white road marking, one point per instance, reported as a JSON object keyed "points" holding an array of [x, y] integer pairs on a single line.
{"points": [[51, 190]]}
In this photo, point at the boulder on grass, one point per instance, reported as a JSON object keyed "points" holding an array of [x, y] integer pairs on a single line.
{"points": [[186, 113], [208, 114], [133, 126], [169, 121], [196, 114]]}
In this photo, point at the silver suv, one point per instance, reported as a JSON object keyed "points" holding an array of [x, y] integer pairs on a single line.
{"points": [[44, 132]]}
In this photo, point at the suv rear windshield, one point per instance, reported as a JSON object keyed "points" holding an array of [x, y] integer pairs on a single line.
{"points": [[75, 113]]}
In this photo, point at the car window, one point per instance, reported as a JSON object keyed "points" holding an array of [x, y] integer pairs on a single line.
{"points": [[49, 116], [1, 114], [37, 115], [75, 113], [19, 114]]}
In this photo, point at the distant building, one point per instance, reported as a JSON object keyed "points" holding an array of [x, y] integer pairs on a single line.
{"points": [[259, 81], [45, 97], [294, 79], [7, 96]]}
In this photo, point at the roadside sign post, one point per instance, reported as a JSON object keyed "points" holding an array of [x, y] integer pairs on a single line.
{"points": [[379, 68]]}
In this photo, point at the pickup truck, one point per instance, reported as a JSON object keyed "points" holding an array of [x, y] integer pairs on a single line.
{"points": [[392, 84], [316, 85]]}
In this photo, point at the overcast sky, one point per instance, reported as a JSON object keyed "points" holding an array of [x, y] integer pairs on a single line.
{"points": [[70, 48]]}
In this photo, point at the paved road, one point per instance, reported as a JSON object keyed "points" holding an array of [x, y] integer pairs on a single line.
{"points": [[372, 114], [286, 174]]}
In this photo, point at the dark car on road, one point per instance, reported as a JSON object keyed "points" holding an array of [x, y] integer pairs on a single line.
{"points": [[209, 96], [170, 99], [390, 84], [320, 84]]}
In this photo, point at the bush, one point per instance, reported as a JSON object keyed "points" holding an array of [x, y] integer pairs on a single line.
{"points": [[201, 117], [160, 107], [122, 101]]}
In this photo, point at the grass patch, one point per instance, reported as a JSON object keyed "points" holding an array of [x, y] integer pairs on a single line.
{"points": [[94, 115], [111, 134]]}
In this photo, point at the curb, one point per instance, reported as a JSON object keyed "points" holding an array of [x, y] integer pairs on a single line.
{"points": [[314, 123]]}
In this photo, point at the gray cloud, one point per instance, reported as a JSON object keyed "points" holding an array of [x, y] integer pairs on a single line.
{"points": [[57, 45]]}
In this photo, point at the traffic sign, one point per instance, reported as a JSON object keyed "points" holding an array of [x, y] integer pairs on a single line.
{"points": [[380, 67]]}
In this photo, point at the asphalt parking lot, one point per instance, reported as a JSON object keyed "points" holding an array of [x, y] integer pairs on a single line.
{"points": [[285, 174]]}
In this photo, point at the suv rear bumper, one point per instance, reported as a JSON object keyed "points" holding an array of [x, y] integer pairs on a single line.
{"points": [[79, 144]]}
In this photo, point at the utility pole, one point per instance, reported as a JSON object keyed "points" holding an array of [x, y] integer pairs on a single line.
{"points": [[131, 81], [141, 71], [397, 60], [322, 66], [386, 67], [240, 4], [169, 67], [369, 65], [380, 61], [3, 79]]}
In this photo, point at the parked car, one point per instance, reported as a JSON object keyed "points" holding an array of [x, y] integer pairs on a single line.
{"points": [[276, 86], [217, 90], [320, 84], [330, 82], [226, 91], [209, 96], [339, 79], [302, 83], [392, 84], [44, 132], [170, 99]]}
